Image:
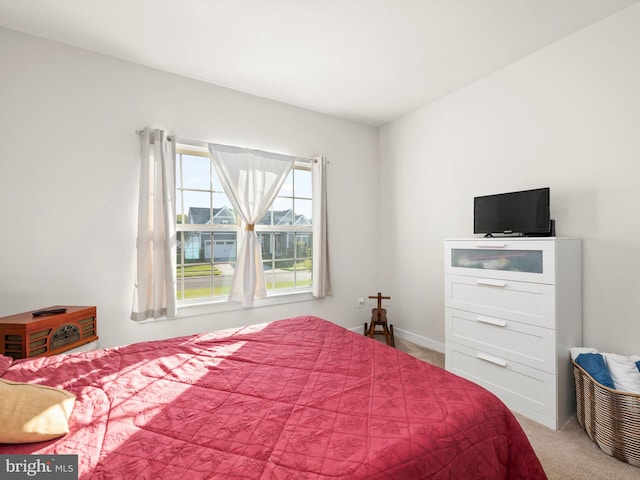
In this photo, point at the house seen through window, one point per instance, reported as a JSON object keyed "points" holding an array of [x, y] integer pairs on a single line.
{"points": [[209, 233]]}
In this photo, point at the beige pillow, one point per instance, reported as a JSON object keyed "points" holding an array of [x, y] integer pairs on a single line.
{"points": [[33, 413]]}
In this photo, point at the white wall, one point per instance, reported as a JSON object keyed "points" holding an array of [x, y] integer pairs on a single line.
{"points": [[567, 117], [69, 162]]}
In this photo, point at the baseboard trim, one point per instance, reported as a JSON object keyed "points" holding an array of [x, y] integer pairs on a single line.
{"points": [[419, 340], [411, 337]]}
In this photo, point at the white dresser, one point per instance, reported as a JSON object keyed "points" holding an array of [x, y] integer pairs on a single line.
{"points": [[513, 308]]}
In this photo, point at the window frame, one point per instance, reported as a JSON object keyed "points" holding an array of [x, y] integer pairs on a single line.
{"points": [[200, 305]]}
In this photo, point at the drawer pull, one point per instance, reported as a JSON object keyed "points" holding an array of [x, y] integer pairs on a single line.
{"points": [[492, 321], [491, 283], [491, 359], [491, 245]]}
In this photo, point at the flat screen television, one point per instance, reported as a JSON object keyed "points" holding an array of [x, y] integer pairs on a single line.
{"points": [[515, 213]]}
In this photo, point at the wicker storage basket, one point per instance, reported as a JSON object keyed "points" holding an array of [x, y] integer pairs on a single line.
{"points": [[610, 417]]}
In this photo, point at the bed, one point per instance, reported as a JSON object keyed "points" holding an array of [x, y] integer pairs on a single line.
{"points": [[299, 398]]}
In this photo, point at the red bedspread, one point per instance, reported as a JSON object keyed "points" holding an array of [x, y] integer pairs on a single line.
{"points": [[294, 399]]}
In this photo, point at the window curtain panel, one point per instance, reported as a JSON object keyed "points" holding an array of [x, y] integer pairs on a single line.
{"points": [[251, 179], [322, 285], [155, 285]]}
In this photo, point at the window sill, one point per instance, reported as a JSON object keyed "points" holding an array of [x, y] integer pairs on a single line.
{"points": [[190, 310]]}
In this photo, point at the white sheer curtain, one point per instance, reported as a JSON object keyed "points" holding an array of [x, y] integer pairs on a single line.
{"points": [[251, 179], [322, 285], [155, 287]]}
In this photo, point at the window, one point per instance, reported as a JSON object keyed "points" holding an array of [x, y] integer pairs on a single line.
{"points": [[208, 233], [286, 235]]}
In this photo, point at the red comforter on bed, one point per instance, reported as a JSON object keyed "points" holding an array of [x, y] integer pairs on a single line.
{"points": [[294, 399]]}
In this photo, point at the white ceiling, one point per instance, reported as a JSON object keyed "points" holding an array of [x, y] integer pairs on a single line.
{"points": [[365, 60]]}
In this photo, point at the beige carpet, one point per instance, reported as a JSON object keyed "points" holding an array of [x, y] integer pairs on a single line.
{"points": [[566, 454]]}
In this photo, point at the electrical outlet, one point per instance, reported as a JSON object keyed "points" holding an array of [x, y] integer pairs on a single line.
{"points": [[360, 301]]}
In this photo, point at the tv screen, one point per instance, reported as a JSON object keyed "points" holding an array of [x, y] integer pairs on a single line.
{"points": [[525, 212]]}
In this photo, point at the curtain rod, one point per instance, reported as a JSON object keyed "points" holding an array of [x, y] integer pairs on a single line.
{"points": [[200, 143]]}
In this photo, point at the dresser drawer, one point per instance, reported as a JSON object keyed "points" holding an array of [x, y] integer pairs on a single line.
{"points": [[531, 303], [508, 339], [508, 258], [523, 389]]}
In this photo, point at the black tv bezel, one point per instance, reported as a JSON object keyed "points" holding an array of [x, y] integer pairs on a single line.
{"points": [[541, 231]]}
